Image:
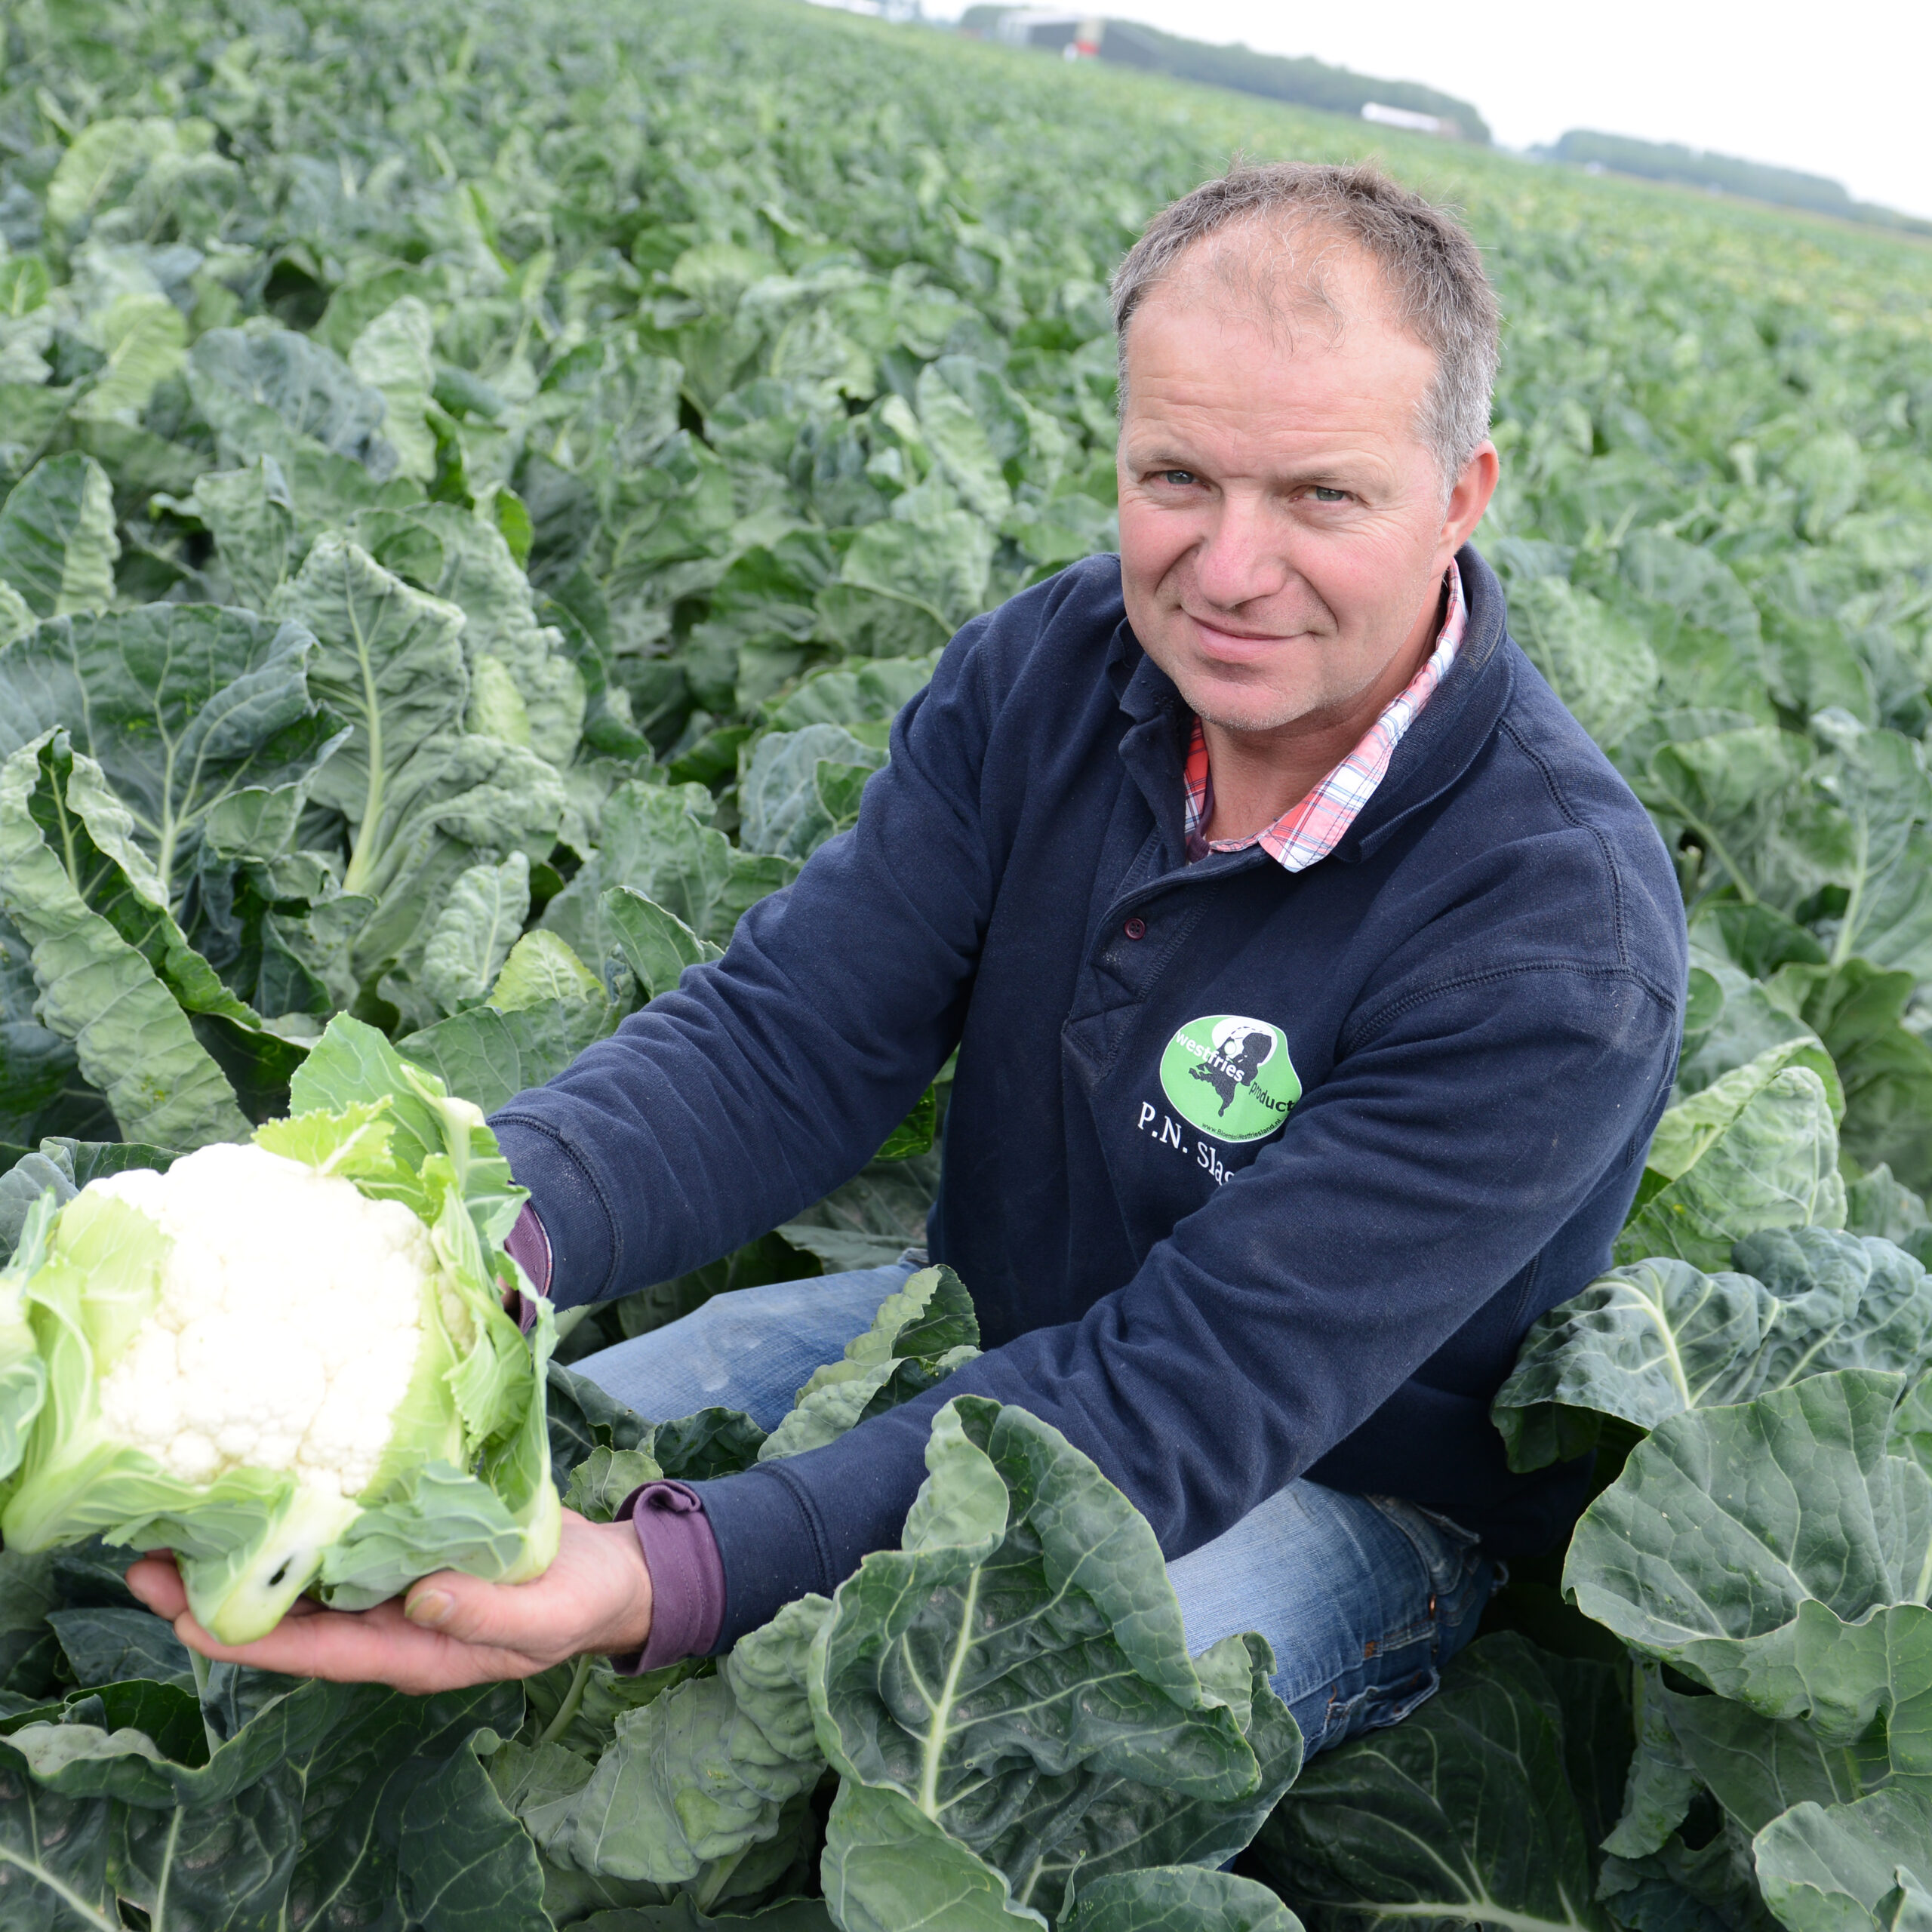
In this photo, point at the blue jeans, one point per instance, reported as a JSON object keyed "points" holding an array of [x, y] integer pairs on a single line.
{"points": [[1363, 1598]]}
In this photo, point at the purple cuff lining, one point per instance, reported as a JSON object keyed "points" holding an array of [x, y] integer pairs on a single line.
{"points": [[687, 1575], [529, 1247]]}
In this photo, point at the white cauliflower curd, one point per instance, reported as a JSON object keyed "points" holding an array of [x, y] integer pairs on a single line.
{"points": [[288, 1326], [288, 1362]]}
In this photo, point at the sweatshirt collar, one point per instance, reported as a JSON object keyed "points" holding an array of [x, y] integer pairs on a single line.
{"points": [[1457, 722], [1434, 752]]}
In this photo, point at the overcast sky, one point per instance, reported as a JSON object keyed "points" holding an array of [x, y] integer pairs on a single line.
{"points": [[1843, 90]]}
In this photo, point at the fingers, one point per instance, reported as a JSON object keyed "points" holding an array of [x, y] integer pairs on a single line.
{"points": [[465, 1610], [453, 1630], [379, 1646], [155, 1580], [596, 1595]]}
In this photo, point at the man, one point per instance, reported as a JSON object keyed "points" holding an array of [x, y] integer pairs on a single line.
{"points": [[1316, 985]]}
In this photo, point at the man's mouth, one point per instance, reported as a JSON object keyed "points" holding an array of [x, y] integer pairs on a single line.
{"points": [[1230, 646]]}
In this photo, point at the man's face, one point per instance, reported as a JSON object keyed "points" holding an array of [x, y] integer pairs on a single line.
{"points": [[1283, 529]]}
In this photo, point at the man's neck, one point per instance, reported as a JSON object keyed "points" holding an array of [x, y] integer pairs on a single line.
{"points": [[1259, 775]]}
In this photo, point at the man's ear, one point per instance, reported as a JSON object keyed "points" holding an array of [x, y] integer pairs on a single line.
{"points": [[1469, 500]]}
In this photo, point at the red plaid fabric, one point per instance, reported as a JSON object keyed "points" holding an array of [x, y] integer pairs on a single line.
{"points": [[1311, 830]]}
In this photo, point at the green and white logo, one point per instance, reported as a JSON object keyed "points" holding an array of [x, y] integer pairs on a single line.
{"points": [[1230, 1076]]}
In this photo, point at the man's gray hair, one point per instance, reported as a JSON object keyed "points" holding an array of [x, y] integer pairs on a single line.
{"points": [[1428, 262]]}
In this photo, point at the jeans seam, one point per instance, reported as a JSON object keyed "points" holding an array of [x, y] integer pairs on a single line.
{"points": [[1470, 1555]]}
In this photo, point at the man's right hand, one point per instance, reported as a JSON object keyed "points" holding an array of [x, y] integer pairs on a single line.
{"points": [[451, 1630]]}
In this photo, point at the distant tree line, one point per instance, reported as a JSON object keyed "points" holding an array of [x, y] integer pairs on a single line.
{"points": [[1783, 187], [1306, 83]]}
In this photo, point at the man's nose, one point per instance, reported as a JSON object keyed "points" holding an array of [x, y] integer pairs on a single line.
{"points": [[1242, 557]]}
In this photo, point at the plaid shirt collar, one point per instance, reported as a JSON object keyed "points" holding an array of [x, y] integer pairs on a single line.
{"points": [[1312, 829]]}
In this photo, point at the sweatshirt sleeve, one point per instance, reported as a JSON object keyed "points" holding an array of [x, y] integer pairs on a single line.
{"points": [[1449, 1145], [767, 1078], [687, 1577]]}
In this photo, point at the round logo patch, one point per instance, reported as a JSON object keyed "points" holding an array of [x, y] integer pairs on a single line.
{"points": [[1231, 1077]]}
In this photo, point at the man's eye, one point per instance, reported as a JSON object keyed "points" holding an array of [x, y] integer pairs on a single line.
{"points": [[1179, 479], [1323, 494]]}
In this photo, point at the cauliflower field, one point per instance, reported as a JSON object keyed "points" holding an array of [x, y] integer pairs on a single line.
{"points": [[475, 485]]}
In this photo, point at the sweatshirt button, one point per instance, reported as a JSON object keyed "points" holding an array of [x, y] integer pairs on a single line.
{"points": [[1135, 928]]}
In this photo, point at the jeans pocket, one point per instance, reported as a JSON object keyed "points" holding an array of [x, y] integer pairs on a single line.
{"points": [[1461, 1579], [1375, 1708], [1450, 1554], [1444, 1545]]}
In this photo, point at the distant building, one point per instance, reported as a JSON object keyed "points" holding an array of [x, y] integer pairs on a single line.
{"points": [[1417, 124], [1075, 36]]}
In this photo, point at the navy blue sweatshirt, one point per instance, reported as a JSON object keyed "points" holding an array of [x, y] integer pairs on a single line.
{"points": [[1252, 1174]]}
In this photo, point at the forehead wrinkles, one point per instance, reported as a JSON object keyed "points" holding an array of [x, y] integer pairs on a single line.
{"points": [[1284, 273], [1293, 277]]}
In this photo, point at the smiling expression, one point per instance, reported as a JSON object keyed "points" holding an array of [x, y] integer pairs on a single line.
{"points": [[1284, 530]]}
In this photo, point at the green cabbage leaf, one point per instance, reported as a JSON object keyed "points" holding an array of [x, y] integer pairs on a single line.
{"points": [[1657, 1337]]}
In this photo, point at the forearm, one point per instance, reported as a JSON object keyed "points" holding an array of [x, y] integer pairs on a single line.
{"points": [[765, 1079]]}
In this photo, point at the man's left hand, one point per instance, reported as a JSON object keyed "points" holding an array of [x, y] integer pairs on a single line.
{"points": [[451, 1630]]}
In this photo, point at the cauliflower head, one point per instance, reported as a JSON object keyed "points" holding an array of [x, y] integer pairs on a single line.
{"points": [[288, 1361], [286, 1324]]}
